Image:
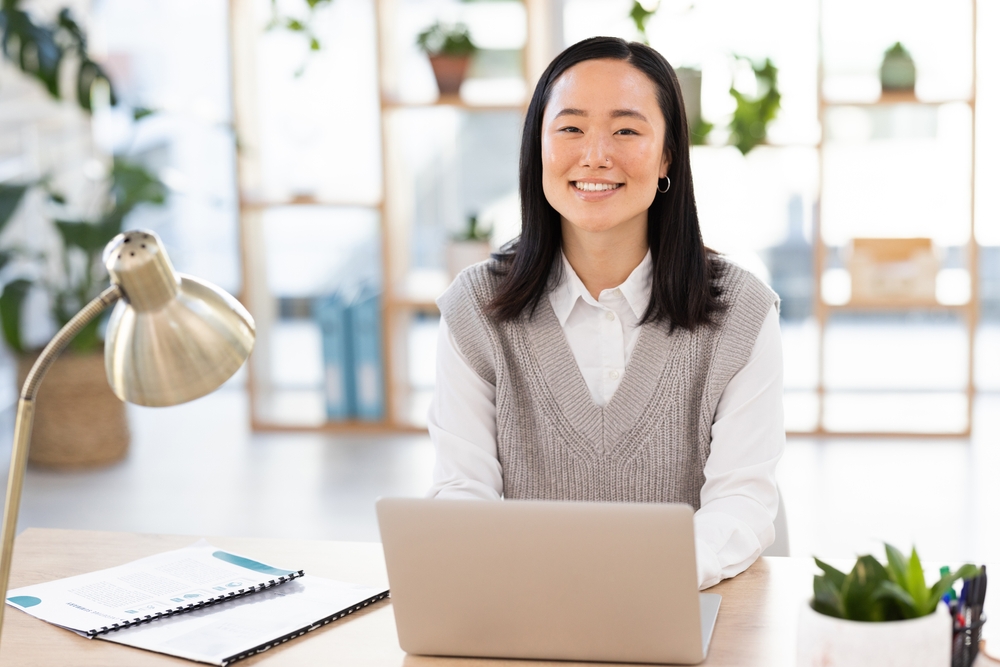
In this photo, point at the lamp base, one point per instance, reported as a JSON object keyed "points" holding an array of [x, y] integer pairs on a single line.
{"points": [[79, 422]]}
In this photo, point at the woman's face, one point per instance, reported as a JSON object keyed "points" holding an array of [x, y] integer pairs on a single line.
{"points": [[603, 146]]}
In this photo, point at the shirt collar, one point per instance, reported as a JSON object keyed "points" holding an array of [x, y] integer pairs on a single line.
{"points": [[635, 289]]}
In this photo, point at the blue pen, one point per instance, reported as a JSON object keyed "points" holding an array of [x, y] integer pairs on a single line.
{"points": [[949, 594]]}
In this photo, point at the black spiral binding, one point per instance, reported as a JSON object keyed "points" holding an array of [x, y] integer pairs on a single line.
{"points": [[298, 633], [231, 595]]}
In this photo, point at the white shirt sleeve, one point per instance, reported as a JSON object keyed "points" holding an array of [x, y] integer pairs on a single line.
{"points": [[739, 500], [463, 426]]}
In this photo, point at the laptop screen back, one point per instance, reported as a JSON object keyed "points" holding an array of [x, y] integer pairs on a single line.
{"points": [[543, 580]]}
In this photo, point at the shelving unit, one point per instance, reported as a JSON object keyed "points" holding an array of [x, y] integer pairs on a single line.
{"points": [[969, 311], [403, 299]]}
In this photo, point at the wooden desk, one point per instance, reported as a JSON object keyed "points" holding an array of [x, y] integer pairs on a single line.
{"points": [[756, 625]]}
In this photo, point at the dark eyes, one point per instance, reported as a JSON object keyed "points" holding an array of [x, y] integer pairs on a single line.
{"points": [[624, 131]]}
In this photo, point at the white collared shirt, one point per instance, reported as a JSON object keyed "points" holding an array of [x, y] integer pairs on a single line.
{"points": [[739, 499]]}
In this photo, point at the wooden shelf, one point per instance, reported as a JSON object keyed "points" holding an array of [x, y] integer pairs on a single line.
{"points": [[262, 204], [822, 309], [894, 306], [359, 427], [272, 407], [454, 101], [893, 99], [958, 436], [404, 303]]}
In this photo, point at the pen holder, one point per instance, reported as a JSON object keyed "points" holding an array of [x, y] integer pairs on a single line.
{"points": [[965, 643]]}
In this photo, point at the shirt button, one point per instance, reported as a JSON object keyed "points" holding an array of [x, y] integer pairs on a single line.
{"points": [[617, 292], [614, 375], [608, 315]]}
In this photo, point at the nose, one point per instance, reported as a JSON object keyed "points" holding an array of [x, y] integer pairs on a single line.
{"points": [[596, 152]]}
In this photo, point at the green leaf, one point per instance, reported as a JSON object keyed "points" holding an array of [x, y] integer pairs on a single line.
{"points": [[87, 76], [10, 198], [87, 236], [915, 583], [139, 113], [827, 598], [11, 299], [832, 573], [859, 587], [314, 44], [640, 16], [941, 587], [748, 128], [903, 600], [896, 564], [133, 184], [67, 23]]}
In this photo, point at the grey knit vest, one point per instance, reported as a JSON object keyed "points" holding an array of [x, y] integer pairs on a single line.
{"points": [[650, 442]]}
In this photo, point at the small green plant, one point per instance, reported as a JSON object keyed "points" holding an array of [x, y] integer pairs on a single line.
{"points": [[473, 231], [897, 50], [443, 39], [640, 14], [874, 592], [303, 24], [748, 128]]}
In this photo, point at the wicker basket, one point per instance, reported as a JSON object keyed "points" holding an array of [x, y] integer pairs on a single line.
{"points": [[79, 422]]}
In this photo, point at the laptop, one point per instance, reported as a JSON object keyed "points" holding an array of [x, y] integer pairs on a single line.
{"points": [[612, 582]]}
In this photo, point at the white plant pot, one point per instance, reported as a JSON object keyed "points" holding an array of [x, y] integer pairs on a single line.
{"points": [[460, 254], [824, 641]]}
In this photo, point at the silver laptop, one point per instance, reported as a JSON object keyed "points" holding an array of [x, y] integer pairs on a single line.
{"points": [[613, 582]]}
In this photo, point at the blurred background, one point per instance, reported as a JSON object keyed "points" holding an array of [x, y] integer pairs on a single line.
{"points": [[335, 162]]}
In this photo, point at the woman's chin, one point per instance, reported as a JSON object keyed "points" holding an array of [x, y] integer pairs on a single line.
{"points": [[600, 224]]}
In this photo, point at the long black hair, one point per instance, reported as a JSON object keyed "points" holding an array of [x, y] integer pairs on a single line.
{"points": [[684, 270]]}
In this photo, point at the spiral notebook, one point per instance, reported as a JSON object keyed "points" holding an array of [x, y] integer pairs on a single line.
{"points": [[199, 603]]}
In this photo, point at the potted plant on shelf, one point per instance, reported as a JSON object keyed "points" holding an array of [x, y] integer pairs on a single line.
{"points": [[450, 49], [878, 614], [469, 247], [898, 73]]}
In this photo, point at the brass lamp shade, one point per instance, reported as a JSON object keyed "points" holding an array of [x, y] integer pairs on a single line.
{"points": [[171, 338]]}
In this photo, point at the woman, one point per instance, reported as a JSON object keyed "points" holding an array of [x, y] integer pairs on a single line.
{"points": [[606, 354]]}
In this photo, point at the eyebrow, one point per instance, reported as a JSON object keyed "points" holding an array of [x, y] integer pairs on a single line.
{"points": [[617, 113]]}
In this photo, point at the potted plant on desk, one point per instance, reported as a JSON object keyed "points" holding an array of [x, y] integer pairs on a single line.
{"points": [[450, 49], [876, 614]]}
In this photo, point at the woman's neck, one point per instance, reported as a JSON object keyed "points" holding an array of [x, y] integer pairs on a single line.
{"points": [[604, 260]]}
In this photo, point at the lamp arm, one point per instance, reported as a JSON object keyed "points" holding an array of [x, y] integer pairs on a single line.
{"points": [[25, 417]]}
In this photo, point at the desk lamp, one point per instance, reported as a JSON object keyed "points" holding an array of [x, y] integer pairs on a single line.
{"points": [[171, 339]]}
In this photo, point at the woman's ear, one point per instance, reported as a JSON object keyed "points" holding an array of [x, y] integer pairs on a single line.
{"points": [[665, 164]]}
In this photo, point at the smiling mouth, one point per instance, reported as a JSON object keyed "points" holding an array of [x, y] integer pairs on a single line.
{"points": [[595, 187]]}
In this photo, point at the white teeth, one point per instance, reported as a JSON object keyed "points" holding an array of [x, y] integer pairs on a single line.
{"points": [[595, 187]]}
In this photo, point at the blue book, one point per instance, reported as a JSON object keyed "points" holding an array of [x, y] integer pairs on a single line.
{"points": [[334, 316], [365, 323]]}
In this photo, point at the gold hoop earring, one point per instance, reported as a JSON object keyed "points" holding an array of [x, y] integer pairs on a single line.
{"points": [[664, 190]]}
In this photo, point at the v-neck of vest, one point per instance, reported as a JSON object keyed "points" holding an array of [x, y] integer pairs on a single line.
{"points": [[603, 426]]}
